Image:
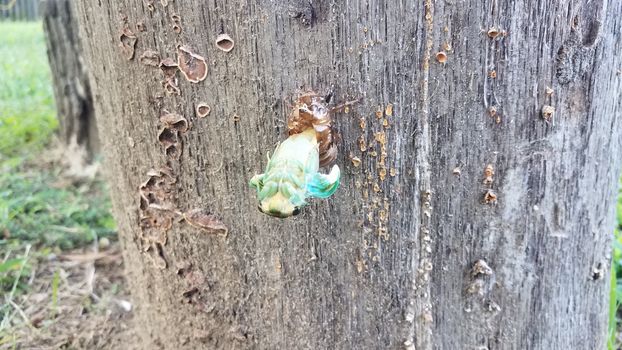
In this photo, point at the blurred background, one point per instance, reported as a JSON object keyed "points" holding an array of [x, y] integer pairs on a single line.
{"points": [[20, 10], [61, 269]]}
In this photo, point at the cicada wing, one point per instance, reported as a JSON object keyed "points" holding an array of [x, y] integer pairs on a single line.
{"points": [[324, 185]]}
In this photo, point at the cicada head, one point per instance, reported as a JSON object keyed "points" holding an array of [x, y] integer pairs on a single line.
{"points": [[276, 199], [279, 207]]}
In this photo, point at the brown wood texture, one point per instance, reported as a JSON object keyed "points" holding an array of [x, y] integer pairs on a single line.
{"points": [[422, 247]]}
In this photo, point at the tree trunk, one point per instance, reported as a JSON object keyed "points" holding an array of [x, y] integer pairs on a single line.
{"points": [[72, 91], [479, 216]]}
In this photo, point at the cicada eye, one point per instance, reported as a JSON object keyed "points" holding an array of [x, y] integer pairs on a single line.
{"points": [[296, 211]]}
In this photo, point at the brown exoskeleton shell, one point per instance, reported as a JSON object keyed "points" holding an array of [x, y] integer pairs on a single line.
{"points": [[310, 111]]}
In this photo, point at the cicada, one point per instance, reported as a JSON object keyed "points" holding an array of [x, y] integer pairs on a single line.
{"points": [[292, 173]]}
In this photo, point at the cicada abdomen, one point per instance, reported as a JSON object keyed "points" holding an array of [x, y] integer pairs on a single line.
{"points": [[311, 111]]}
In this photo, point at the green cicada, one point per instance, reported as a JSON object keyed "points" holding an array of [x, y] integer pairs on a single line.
{"points": [[292, 174]]}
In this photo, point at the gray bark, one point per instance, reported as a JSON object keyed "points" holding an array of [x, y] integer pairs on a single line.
{"points": [[72, 91], [424, 258]]}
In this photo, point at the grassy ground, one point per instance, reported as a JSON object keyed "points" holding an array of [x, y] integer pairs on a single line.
{"points": [[616, 282], [26, 100], [36, 205], [60, 271]]}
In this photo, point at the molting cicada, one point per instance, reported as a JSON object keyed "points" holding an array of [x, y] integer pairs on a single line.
{"points": [[292, 173]]}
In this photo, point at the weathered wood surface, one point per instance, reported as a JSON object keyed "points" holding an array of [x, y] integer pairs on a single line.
{"points": [[384, 264], [72, 91]]}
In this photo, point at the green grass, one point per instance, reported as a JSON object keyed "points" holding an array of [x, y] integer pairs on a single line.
{"points": [[39, 208], [615, 295], [34, 209], [27, 113]]}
